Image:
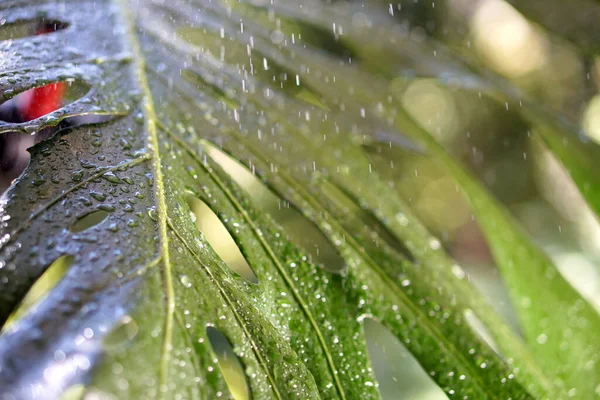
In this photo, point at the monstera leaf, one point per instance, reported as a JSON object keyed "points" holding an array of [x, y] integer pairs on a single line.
{"points": [[235, 107]]}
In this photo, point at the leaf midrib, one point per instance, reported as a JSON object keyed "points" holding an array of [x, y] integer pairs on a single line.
{"points": [[153, 146]]}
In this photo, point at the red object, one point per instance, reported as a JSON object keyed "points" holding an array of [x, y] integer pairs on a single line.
{"points": [[43, 100]]}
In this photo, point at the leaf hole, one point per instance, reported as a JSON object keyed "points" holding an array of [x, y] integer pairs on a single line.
{"points": [[40, 101], [219, 237], [40, 289], [229, 364], [33, 27], [429, 190], [481, 330], [345, 201], [399, 374], [14, 156], [297, 227], [89, 221], [437, 201], [14, 146]]}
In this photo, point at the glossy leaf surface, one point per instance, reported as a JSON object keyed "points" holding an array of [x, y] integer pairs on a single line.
{"points": [[187, 87]]}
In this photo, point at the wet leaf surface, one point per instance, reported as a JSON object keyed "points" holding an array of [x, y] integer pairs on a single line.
{"points": [[295, 107]]}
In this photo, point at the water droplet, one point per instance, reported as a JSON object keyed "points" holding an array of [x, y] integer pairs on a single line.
{"points": [[98, 196], [111, 177], [542, 339], [77, 176], [185, 281]]}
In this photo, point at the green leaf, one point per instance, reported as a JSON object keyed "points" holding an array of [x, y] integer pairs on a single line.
{"points": [[545, 301], [544, 306], [183, 86]]}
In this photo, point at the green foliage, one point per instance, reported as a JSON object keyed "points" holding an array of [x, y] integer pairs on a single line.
{"points": [[189, 85]]}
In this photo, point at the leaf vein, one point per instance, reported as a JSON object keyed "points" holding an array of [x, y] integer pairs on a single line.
{"points": [[55, 200], [233, 309], [272, 256]]}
